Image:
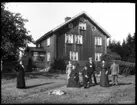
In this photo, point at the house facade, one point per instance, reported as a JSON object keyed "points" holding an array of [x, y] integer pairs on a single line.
{"points": [[78, 38]]}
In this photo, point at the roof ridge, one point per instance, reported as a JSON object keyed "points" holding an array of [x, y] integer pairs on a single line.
{"points": [[62, 24]]}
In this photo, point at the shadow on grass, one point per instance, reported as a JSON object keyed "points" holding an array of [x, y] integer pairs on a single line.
{"points": [[9, 76], [27, 87], [124, 83]]}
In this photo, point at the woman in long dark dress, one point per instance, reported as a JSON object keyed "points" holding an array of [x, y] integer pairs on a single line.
{"points": [[19, 69], [73, 80], [104, 81]]}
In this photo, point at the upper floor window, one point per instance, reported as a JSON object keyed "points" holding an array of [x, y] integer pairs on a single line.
{"points": [[68, 38], [98, 56], [48, 41], [82, 26], [78, 39], [98, 40], [73, 56]]}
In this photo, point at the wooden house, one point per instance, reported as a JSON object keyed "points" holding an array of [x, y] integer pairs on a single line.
{"points": [[78, 38]]}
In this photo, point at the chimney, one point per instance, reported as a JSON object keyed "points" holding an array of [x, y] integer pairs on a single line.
{"points": [[67, 18]]}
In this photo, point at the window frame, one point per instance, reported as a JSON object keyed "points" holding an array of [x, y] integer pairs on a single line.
{"points": [[98, 41], [98, 56], [82, 26], [78, 39], [48, 41], [73, 55], [48, 56], [69, 38]]}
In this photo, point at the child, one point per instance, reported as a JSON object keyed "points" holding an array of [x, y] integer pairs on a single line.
{"points": [[85, 77], [80, 79]]}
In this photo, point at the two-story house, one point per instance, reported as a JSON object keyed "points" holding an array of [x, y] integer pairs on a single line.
{"points": [[78, 38]]}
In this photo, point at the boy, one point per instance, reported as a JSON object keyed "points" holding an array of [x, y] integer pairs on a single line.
{"points": [[85, 77]]}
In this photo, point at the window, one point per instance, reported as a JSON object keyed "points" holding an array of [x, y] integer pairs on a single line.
{"points": [[41, 56], [98, 56], [48, 41], [82, 26], [38, 56], [78, 39], [98, 40], [48, 56], [39, 45], [35, 56], [68, 38], [73, 56]]}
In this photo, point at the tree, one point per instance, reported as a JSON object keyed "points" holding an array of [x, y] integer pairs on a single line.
{"points": [[130, 47], [14, 34], [126, 50]]}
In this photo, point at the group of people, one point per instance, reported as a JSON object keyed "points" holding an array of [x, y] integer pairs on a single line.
{"points": [[83, 77]]}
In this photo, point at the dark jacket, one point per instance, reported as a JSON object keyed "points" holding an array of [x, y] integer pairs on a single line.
{"points": [[84, 73], [91, 67]]}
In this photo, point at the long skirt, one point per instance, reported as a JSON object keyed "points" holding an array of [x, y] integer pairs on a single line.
{"points": [[72, 83], [104, 81], [21, 80]]}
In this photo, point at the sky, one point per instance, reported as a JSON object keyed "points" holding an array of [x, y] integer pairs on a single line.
{"points": [[118, 19]]}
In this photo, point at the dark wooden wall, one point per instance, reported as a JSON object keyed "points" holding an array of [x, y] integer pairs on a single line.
{"points": [[59, 49], [88, 48]]}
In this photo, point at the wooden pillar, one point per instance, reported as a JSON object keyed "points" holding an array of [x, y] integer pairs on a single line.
{"points": [[1, 64]]}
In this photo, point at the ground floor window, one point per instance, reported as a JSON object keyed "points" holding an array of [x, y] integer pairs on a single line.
{"points": [[38, 56], [98, 56], [48, 56], [73, 55]]}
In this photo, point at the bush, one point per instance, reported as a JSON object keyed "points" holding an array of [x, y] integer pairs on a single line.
{"points": [[58, 64], [110, 57], [126, 68]]}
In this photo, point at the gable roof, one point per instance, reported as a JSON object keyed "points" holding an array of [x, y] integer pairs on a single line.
{"points": [[66, 22]]}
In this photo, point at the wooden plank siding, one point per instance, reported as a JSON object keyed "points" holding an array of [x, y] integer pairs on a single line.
{"points": [[88, 48], [51, 48]]}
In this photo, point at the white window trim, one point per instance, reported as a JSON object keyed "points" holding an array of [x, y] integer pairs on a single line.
{"points": [[98, 41], [69, 38], [82, 25], [73, 56], [48, 56], [78, 39], [98, 56]]}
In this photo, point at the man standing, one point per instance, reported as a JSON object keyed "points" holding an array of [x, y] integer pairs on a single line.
{"points": [[114, 72], [91, 71]]}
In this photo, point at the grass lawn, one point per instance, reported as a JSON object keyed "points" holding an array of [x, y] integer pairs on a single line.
{"points": [[39, 85]]}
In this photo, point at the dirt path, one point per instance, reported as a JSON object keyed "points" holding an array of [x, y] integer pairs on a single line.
{"points": [[124, 93]]}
